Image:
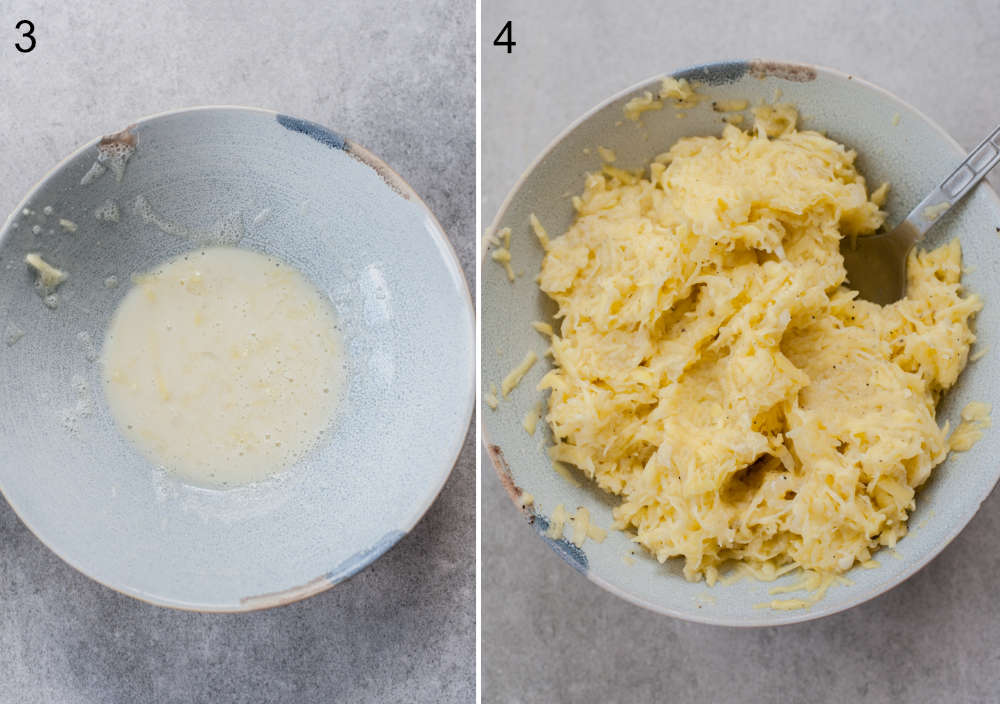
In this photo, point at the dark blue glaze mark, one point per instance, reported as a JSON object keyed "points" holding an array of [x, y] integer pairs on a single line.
{"points": [[716, 74], [311, 129], [562, 547], [360, 560], [565, 549]]}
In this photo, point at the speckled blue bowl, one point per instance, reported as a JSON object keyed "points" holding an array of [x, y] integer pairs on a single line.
{"points": [[358, 232], [910, 151]]}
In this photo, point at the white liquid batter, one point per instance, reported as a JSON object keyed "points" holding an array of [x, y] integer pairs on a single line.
{"points": [[223, 366]]}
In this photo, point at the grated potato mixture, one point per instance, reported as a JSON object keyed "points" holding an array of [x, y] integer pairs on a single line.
{"points": [[713, 370]]}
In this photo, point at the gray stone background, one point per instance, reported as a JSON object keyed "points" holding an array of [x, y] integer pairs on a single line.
{"points": [[399, 78], [552, 636]]}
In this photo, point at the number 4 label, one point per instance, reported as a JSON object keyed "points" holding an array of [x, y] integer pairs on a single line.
{"points": [[509, 41]]}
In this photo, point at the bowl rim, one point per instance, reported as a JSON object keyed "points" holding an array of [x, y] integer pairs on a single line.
{"points": [[499, 463], [439, 238]]}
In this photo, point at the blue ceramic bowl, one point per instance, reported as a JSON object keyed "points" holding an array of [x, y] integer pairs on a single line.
{"points": [[304, 194], [895, 143]]}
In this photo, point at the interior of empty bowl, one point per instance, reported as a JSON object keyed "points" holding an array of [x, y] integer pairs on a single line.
{"points": [[895, 143], [297, 192]]}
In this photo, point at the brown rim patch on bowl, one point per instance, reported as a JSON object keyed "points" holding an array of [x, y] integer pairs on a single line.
{"points": [[385, 172], [797, 73], [503, 471], [285, 596]]}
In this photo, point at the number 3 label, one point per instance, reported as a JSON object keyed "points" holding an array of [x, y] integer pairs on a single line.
{"points": [[27, 33]]}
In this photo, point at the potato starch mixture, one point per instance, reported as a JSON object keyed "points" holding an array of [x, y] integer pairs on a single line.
{"points": [[223, 365]]}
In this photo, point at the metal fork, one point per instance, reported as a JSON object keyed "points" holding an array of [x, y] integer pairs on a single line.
{"points": [[876, 264]]}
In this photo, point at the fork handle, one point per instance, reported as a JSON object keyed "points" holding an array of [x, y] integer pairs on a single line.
{"points": [[970, 172]]}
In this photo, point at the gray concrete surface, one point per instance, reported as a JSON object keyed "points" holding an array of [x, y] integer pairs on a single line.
{"points": [[398, 77], [552, 636]]}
